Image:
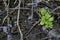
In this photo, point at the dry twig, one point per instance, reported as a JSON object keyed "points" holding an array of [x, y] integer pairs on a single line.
{"points": [[18, 22]]}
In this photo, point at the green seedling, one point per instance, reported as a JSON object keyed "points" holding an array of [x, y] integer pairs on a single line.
{"points": [[46, 18]]}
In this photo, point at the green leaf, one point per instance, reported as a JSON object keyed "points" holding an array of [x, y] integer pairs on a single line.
{"points": [[47, 15], [46, 22], [41, 23], [51, 18], [49, 24], [43, 11], [46, 26], [43, 18]]}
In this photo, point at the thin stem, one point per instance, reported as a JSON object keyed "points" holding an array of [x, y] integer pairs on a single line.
{"points": [[18, 21], [6, 8]]}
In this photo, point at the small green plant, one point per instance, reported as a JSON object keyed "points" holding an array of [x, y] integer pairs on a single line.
{"points": [[46, 18]]}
